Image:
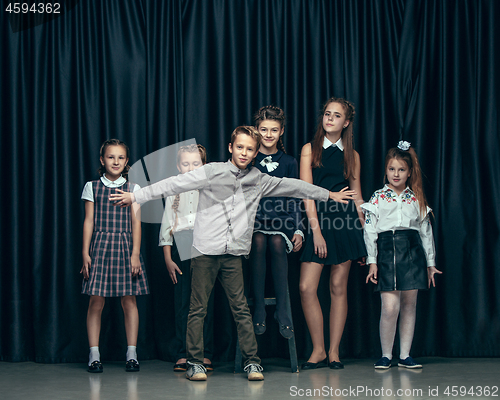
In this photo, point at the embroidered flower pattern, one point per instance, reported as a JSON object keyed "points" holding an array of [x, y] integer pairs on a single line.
{"points": [[388, 196], [374, 198]]}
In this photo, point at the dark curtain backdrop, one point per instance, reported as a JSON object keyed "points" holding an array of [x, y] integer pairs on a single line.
{"points": [[153, 73]]}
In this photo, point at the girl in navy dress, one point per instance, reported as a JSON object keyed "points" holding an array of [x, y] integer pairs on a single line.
{"points": [[112, 264], [277, 223], [330, 161], [178, 223], [401, 254]]}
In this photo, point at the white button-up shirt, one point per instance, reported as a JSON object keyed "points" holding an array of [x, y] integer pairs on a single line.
{"points": [[386, 211], [185, 214], [228, 202]]}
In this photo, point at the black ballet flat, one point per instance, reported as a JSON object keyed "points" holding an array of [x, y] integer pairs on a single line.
{"points": [[132, 366], [285, 330], [259, 328], [310, 365], [336, 365], [95, 367], [181, 367]]}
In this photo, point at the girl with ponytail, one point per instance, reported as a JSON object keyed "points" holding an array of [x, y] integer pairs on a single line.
{"points": [[401, 254]]}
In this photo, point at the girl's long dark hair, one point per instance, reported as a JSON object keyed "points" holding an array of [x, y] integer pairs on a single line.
{"points": [[346, 136]]}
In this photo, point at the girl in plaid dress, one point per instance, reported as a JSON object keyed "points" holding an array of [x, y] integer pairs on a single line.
{"points": [[112, 264]]}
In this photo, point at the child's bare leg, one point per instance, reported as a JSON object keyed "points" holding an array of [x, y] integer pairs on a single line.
{"points": [[339, 274], [96, 304], [388, 320], [407, 321], [309, 279], [131, 316]]}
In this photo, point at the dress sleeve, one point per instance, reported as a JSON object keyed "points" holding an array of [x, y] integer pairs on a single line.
{"points": [[166, 235], [88, 193], [428, 239], [370, 210]]}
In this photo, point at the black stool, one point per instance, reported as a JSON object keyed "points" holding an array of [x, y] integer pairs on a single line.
{"points": [[291, 342]]}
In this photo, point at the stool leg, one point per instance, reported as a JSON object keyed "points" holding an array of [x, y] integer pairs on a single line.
{"points": [[292, 349]]}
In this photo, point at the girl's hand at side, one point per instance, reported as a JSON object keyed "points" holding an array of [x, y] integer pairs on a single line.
{"points": [[122, 199], [297, 242], [173, 270], [319, 245], [430, 275], [135, 263], [372, 274], [343, 196], [87, 261]]}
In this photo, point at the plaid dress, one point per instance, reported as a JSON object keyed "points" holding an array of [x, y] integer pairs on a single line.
{"points": [[111, 246]]}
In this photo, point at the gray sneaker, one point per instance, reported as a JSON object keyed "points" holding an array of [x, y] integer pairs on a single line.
{"points": [[254, 372], [196, 372]]}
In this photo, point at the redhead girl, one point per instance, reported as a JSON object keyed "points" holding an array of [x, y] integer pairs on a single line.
{"points": [[177, 225], [401, 254]]}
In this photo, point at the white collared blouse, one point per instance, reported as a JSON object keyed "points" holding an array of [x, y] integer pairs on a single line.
{"points": [[88, 193]]}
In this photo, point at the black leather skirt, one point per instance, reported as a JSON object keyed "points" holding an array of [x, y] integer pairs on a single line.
{"points": [[401, 261]]}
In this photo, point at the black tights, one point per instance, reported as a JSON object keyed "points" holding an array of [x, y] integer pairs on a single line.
{"points": [[279, 268]]}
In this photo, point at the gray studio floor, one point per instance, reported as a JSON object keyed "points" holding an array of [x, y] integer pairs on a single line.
{"points": [[480, 377]]}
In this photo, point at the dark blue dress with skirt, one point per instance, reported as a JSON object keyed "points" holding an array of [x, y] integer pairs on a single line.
{"points": [[340, 224]]}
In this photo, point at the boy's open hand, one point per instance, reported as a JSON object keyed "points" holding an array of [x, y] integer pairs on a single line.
{"points": [[343, 196], [122, 199]]}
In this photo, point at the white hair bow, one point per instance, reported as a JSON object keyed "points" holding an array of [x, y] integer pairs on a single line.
{"points": [[404, 145]]}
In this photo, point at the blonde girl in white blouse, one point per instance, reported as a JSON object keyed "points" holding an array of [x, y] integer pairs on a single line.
{"points": [[400, 246], [179, 217]]}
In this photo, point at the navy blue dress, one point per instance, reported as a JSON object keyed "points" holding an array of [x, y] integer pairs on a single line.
{"points": [[339, 222], [278, 215]]}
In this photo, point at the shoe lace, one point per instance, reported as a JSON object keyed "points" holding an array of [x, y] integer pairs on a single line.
{"points": [[250, 368], [197, 368]]}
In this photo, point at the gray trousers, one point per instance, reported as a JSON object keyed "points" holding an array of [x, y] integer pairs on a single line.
{"points": [[204, 271]]}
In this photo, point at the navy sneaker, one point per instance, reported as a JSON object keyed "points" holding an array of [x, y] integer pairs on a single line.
{"points": [[409, 362], [383, 363]]}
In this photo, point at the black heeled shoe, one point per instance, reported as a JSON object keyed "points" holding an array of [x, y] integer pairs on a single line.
{"points": [[310, 365]]}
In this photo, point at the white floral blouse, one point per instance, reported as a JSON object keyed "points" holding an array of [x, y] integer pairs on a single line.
{"points": [[386, 211]]}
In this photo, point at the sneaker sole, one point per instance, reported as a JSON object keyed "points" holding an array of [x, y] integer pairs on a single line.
{"points": [[256, 377], [410, 366], [197, 377], [382, 366]]}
